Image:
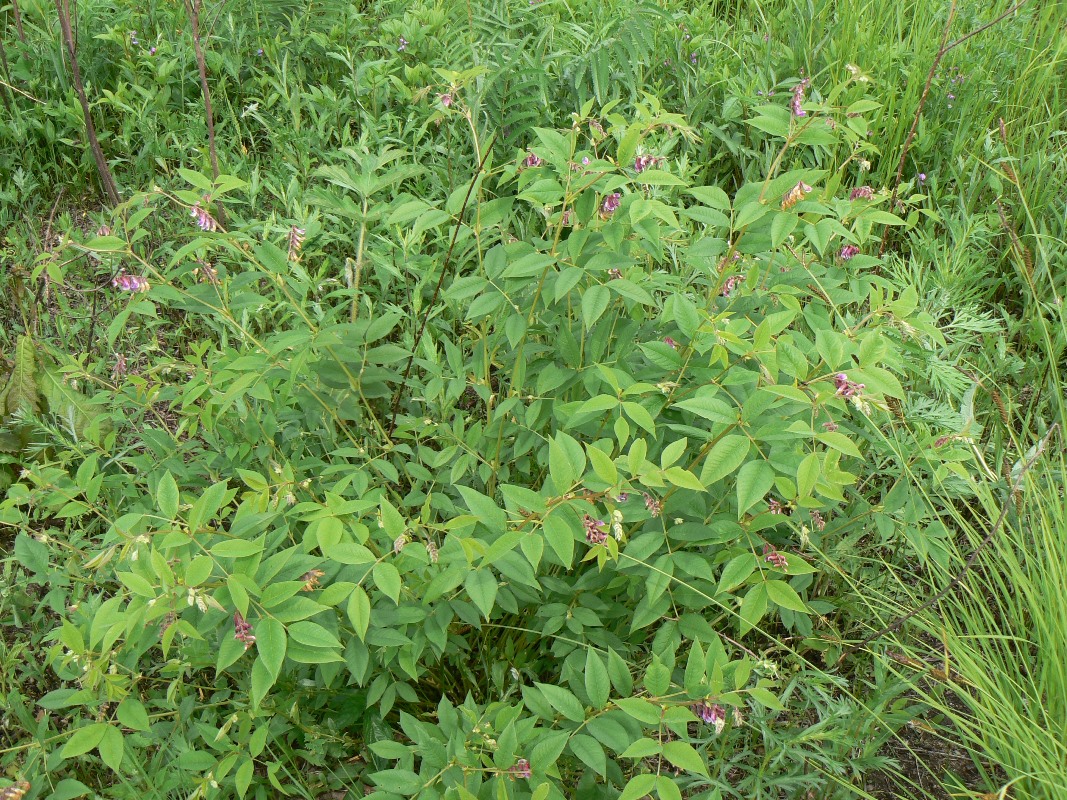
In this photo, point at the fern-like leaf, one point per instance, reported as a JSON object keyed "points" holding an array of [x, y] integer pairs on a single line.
{"points": [[21, 389]]}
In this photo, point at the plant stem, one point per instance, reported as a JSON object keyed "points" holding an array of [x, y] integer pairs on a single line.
{"points": [[106, 179], [192, 7]]}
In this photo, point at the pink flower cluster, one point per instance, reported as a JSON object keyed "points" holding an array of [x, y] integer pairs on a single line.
{"points": [[774, 558], [296, 241], [654, 506], [845, 387], [610, 204], [641, 163], [798, 98], [130, 283], [521, 769], [711, 713], [242, 630], [861, 193], [204, 220], [532, 160], [595, 530], [731, 283], [848, 251]]}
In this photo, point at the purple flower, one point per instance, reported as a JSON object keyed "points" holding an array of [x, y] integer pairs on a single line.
{"points": [[521, 769], [861, 193], [446, 99], [641, 163], [585, 161], [795, 195], [120, 368], [296, 241], [667, 340], [130, 283], [847, 252], [204, 220], [845, 387], [711, 713], [610, 204], [798, 98], [692, 58], [595, 530], [532, 160], [615, 273], [830, 426], [622, 497], [731, 283], [654, 506], [242, 630], [775, 506], [922, 178], [151, 51], [776, 559], [402, 45], [259, 52]]}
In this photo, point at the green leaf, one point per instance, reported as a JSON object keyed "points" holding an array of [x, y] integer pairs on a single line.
{"points": [[683, 478], [167, 496], [783, 594], [754, 480], [312, 634], [638, 787], [594, 303], [684, 756], [667, 788], [597, 682], [657, 678], [640, 709], [400, 781], [482, 587], [387, 579], [839, 441], [590, 752], [132, 714], [642, 748], [563, 701], [359, 611], [560, 536], [270, 644], [808, 474], [765, 698], [111, 748], [628, 145], [603, 467], [349, 553], [783, 224], [32, 554], [736, 571], [694, 669], [237, 548], [620, 674], [68, 789], [85, 739], [640, 415], [753, 607]]}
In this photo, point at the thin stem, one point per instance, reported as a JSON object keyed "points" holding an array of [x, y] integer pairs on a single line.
{"points": [[193, 9], [106, 179], [941, 52], [437, 290]]}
